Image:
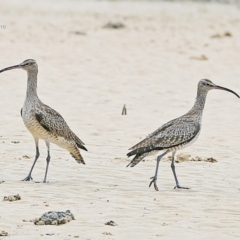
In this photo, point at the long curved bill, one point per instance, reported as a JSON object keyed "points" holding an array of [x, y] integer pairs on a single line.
{"points": [[10, 68], [223, 88]]}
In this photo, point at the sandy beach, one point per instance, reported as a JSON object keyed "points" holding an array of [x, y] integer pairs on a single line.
{"points": [[87, 73]]}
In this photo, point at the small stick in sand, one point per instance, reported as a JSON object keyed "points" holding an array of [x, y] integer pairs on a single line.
{"points": [[124, 110]]}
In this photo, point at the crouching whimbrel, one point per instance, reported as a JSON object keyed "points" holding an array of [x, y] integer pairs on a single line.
{"points": [[44, 122], [176, 134]]}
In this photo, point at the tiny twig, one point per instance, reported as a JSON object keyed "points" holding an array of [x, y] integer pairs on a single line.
{"points": [[124, 110]]}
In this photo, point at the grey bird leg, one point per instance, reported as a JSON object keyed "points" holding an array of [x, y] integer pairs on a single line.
{"points": [[29, 177], [48, 160], [174, 173], [154, 178]]}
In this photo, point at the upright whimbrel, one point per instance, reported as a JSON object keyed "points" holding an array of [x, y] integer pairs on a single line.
{"points": [[176, 134], [44, 122]]}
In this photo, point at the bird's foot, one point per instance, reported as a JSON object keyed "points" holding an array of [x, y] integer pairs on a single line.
{"points": [[28, 178], [154, 182], [178, 186]]}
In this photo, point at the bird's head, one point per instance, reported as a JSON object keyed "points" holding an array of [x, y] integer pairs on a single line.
{"points": [[207, 85], [28, 65]]}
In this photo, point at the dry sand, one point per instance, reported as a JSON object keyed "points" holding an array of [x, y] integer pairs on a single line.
{"points": [[87, 73]]}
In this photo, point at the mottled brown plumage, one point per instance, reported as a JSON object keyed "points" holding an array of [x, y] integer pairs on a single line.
{"points": [[171, 136], [176, 134], [44, 122]]}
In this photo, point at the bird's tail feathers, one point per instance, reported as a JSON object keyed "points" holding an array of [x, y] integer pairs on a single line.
{"points": [[79, 142], [77, 156], [144, 150], [137, 159], [81, 146]]}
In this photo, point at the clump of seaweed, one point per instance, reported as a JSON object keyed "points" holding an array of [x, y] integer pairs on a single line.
{"points": [[3, 233], [111, 223], [54, 218], [12, 198], [210, 159], [182, 157]]}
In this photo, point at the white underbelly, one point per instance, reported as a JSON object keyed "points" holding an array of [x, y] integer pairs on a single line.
{"points": [[39, 132]]}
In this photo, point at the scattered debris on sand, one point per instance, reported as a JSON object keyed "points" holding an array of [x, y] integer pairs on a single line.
{"points": [[54, 218], [50, 234], [211, 159], [227, 34], [12, 198], [111, 223], [202, 58], [183, 157], [78, 33], [26, 156], [114, 25], [15, 142], [217, 35], [3, 234], [2, 182], [107, 233]]}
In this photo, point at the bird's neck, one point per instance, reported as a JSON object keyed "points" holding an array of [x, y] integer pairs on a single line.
{"points": [[198, 106], [32, 85]]}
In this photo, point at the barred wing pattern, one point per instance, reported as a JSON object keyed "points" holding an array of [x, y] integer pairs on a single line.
{"points": [[168, 137], [53, 122]]}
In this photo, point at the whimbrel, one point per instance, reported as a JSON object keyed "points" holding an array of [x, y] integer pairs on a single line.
{"points": [[176, 134], [44, 122]]}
